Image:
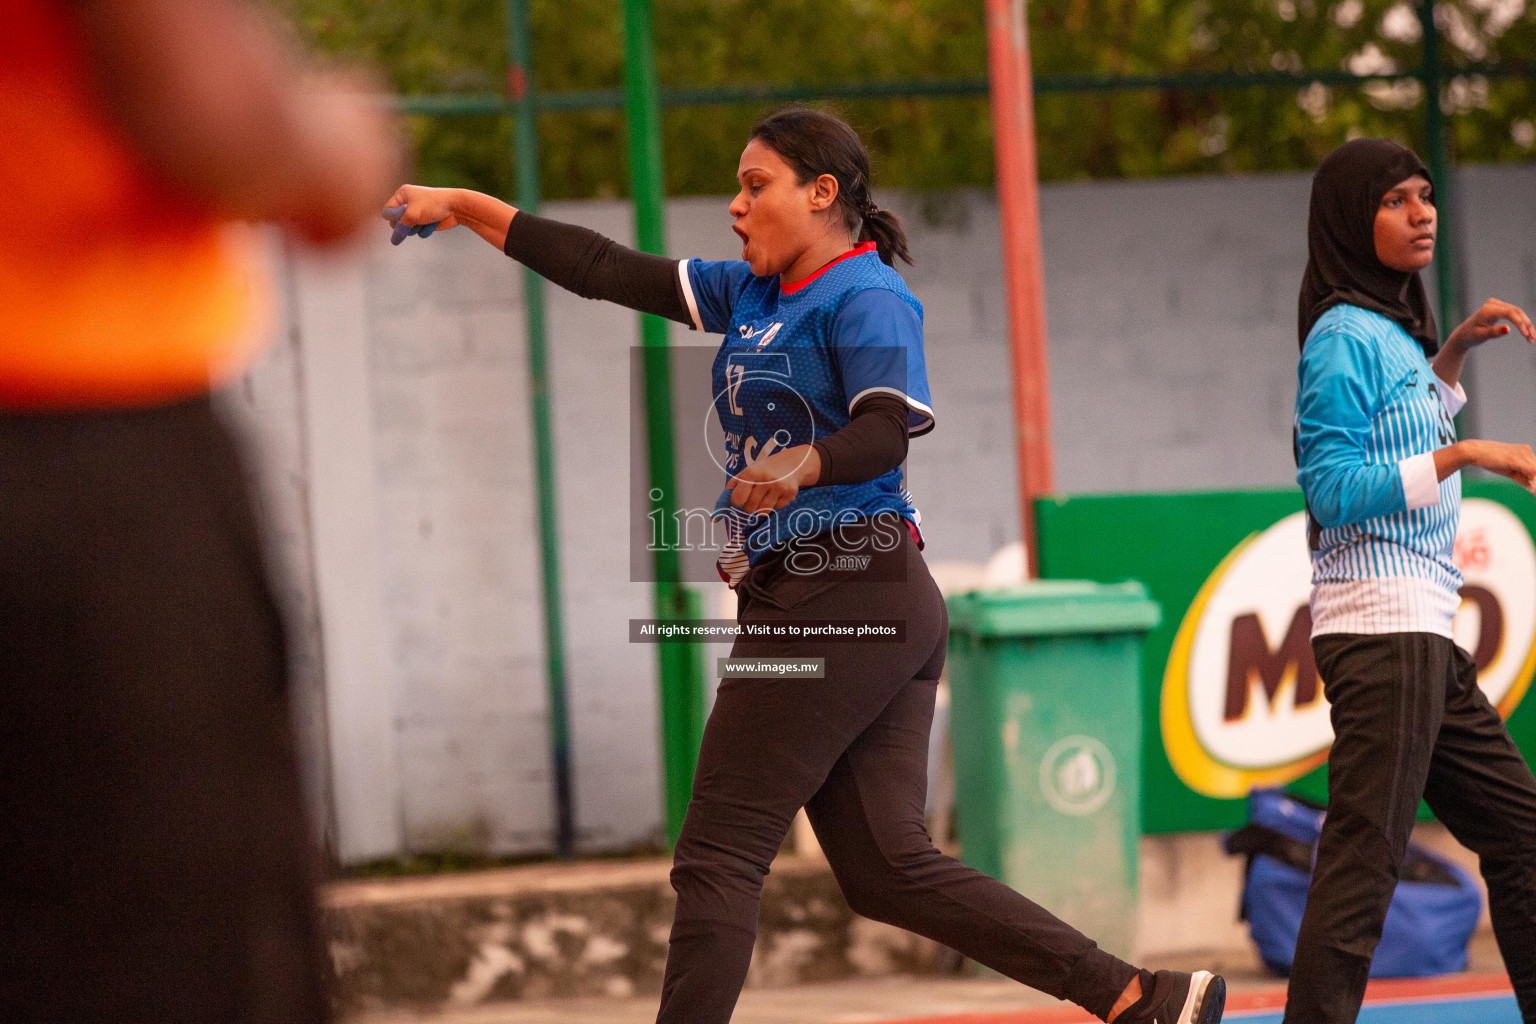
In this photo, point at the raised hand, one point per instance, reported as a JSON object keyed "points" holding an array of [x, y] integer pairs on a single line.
{"points": [[774, 480], [417, 210], [1493, 320], [1515, 461]]}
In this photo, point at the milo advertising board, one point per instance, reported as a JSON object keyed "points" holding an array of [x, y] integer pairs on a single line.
{"points": [[1232, 694]]}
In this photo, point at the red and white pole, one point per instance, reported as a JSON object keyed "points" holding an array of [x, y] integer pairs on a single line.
{"points": [[1013, 124]]}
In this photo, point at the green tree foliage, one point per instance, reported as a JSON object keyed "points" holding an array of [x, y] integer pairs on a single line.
{"points": [[1261, 129], [436, 46]]}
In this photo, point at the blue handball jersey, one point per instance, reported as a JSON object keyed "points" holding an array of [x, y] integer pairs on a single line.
{"points": [[795, 361]]}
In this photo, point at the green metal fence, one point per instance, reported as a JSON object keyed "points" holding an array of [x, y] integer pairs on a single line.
{"points": [[642, 100]]}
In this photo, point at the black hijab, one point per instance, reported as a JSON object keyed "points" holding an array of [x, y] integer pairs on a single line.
{"points": [[1342, 265]]}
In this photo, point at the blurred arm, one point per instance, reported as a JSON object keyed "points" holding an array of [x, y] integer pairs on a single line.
{"points": [[208, 97]]}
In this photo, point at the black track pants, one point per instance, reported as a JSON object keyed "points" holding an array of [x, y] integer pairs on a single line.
{"points": [[1410, 721], [155, 867], [852, 748]]}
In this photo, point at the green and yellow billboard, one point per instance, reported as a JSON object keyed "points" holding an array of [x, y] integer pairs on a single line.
{"points": [[1232, 696]]}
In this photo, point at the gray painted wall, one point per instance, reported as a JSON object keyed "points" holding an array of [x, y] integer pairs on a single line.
{"points": [[1171, 307]]}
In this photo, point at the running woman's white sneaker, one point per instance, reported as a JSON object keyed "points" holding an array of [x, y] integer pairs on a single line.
{"points": [[1178, 998]]}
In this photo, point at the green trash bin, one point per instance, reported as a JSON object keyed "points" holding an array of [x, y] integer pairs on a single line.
{"points": [[1045, 683]]}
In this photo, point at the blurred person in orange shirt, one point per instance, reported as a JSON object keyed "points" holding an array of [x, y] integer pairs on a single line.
{"points": [[155, 864]]}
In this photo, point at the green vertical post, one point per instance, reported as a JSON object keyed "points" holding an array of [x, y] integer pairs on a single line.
{"points": [[1447, 283], [1447, 254], [525, 141], [681, 665]]}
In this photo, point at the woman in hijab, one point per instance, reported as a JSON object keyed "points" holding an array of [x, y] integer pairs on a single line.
{"points": [[1379, 463]]}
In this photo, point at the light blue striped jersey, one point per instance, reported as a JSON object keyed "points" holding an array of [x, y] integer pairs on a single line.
{"points": [[1370, 412]]}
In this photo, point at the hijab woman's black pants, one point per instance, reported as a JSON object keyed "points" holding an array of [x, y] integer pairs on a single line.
{"points": [[154, 863], [852, 748], [1409, 720]]}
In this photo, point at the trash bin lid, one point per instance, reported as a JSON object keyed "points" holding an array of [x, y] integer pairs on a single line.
{"points": [[1054, 607]]}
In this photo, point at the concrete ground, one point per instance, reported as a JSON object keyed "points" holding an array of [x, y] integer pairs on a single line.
{"points": [[848, 1002]]}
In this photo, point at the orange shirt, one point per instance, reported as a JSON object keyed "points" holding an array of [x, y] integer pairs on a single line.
{"points": [[114, 290]]}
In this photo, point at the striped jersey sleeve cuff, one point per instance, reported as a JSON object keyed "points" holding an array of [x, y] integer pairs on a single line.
{"points": [[1421, 484], [926, 422], [686, 287], [1455, 398]]}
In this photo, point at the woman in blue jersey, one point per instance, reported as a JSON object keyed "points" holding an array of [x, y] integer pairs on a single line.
{"points": [[819, 383], [1379, 463]]}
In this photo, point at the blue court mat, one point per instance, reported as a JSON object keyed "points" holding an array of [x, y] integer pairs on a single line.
{"points": [[1450, 1010]]}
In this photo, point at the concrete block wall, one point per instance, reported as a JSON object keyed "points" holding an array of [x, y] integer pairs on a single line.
{"points": [[392, 430]]}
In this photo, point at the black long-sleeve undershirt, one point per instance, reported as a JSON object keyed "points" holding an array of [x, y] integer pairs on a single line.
{"points": [[874, 442], [594, 266]]}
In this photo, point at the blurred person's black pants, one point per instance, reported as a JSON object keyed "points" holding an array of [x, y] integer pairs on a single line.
{"points": [[1409, 719], [154, 860], [852, 748]]}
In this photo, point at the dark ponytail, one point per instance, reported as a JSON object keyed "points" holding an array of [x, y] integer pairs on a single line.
{"points": [[813, 144]]}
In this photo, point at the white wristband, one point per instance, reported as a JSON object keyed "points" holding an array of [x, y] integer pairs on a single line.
{"points": [[1454, 398], [1421, 484]]}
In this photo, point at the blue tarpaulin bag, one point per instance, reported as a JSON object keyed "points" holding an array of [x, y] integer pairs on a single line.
{"points": [[1431, 919]]}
